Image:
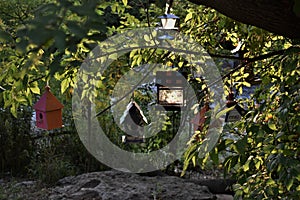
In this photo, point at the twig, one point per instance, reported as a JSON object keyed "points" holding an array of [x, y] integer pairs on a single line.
{"points": [[134, 87], [248, 61]]}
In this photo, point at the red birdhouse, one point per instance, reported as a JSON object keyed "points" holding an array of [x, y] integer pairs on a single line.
{"points": [[48, 111], [200, 118]]}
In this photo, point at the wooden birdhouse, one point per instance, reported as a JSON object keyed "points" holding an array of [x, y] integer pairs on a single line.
{"points": [[200, 119], [237, 113], [48, 111], [133, 120]]}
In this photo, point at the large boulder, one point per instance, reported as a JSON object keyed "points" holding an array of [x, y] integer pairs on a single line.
{"points": [[114, 185]]}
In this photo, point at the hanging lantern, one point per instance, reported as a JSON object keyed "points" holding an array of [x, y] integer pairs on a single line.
{"points": [[168, 21], [237, 112], [48, 111], [170, 89]]}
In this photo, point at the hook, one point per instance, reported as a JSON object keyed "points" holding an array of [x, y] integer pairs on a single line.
{"points": [[168, 6]]}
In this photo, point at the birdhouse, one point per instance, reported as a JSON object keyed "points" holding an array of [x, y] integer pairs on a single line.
{"points": [[48, 111], [170, 89], [133, 120], [200, 118], [237, 113]]}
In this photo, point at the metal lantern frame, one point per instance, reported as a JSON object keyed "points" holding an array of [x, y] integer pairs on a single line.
{"points": [[170, 90], [168, 21]]}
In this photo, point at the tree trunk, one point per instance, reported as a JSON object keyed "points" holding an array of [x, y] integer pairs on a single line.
{"points": [[276, 16]]}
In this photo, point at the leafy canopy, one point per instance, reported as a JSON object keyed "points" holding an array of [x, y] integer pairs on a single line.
{"points": [[44, 41]]}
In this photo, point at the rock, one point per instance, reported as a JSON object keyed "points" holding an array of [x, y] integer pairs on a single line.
{"points": [[216, 186], [25, 183], [224, 197], [114, 185]]}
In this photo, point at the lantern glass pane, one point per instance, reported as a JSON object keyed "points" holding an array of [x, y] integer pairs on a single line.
{"points": [[168, 23], [171, 97]]}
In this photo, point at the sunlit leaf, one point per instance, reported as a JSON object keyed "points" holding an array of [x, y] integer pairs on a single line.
{"points": [[272, 126], [188, 17], [125, 2]]}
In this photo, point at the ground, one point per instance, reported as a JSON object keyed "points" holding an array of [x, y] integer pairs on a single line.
{"points": [[113, 185]]}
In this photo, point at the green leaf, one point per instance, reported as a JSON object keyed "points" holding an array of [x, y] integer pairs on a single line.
{"points": [[258, 163], [146, 38], [64, 85], [289, 184], [214, 156], [241, 145], [246, 84], [246, 165], [125, 2], [139, 60], [223, 112], [180, 64], [5, 37], [272, 126], [35, 90], [188, 17], [194, 160], [13, 110], [132, 53], [60, 42]]}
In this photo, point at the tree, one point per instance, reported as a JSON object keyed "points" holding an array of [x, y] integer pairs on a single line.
{"points": [[281, 17], [52, 44], [263, 159]]}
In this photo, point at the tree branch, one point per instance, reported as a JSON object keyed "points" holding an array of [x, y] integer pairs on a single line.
{"points": [[133, 88], [251, 60], [276, 16]]}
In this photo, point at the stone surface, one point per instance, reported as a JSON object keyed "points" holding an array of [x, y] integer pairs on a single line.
{"points": [[113, 185], [224, 197]]}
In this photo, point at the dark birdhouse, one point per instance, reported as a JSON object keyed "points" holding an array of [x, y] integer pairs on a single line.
{"points": [[133, 120], [48, 111], [237, 113], [170, 89]]}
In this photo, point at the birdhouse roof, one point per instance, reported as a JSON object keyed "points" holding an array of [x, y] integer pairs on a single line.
{"points": [[48, 102], [129, 106], [168, 16]]}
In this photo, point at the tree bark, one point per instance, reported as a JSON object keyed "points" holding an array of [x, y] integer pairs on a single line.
{"points": [[276, 16]]}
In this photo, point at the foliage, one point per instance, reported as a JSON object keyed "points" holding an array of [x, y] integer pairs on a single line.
{"points": [[269, 154], [59, 156], [261, 151], [15, 142]]}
